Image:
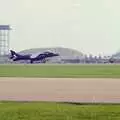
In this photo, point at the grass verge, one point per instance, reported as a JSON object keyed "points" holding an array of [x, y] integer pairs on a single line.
{"points": [[74, 71], [57, 111]]}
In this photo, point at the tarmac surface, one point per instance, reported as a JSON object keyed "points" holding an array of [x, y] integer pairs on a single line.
{"points": [[92, 90]]}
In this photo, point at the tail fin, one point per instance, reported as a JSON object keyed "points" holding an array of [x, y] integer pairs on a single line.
{"points": [[13, 54]]}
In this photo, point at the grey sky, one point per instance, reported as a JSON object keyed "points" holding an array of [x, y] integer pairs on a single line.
{"points": [[90, 26]]}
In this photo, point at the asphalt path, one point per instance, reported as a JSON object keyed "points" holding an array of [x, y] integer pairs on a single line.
{"points": [[92, 90]]}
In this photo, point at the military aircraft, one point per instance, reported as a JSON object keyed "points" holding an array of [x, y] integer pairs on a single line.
{"points": [[32, 57]]}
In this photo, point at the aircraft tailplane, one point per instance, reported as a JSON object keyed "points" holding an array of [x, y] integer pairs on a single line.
{"points": [[14, 54]]}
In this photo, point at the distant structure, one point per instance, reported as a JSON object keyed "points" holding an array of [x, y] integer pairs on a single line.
{"points": [[4, 39]]}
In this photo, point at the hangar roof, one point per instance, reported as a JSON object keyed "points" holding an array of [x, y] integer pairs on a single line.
{"points": [[66, 52]]}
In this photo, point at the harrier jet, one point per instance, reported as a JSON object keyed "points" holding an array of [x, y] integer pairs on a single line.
{"points": [[32, 57]]}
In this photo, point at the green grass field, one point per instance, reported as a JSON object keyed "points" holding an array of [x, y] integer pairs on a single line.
{"points": [[57, 111], [75, 71]]}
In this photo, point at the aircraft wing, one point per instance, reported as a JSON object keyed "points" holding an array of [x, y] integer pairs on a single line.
{"points": [[35, 55]]}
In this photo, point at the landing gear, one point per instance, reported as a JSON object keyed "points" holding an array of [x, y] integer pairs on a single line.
{"points": [[41, 61], [44, 61], [31, 61]]}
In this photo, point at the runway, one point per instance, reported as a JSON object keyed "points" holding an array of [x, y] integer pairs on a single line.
{"points": [[92, 90]]}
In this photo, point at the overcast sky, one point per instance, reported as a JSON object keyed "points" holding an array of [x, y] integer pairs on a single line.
{"points": [[90, 26]]}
